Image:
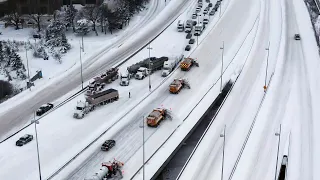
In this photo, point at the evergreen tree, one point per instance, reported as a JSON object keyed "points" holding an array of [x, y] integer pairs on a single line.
{"points": [[83, 27], [70, 15], [55, 35]]}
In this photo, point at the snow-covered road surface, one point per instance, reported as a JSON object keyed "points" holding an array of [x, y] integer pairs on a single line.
{"points": [[14, 111]]}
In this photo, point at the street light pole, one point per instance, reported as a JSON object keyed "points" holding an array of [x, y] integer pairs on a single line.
{"points": [[28, 84], [82, 44], [224, 143], [265, 81], [81, 67], [35, 128], [222, 48], [143, 147], [149, 48], [277, 134]]}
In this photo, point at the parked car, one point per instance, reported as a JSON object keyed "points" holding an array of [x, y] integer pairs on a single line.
{"points": [[212, 13], [44, 108], [188, 47], [200, 4], [189, 35], [210, 5], [107, 145], [191, 41], [24, 140], [198, 9], [297, 37], [205, 11]]}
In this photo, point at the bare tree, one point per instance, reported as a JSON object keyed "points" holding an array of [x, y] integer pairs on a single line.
{"points": [[36, 18], [13, 18], [91, 12]]}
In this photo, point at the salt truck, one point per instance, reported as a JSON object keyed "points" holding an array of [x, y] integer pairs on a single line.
{"points": [[94, 100], [108, 170]]}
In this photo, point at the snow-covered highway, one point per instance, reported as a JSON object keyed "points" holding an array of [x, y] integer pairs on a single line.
{"points": [[14, 112]]}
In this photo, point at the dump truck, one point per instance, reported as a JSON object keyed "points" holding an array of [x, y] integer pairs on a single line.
{"points": [[133, 69], [156, 116], [169, 65], [186, 64], [155, 63], [93, 100], [108, 170], [177, 85], [98, 83], [125, 79]]}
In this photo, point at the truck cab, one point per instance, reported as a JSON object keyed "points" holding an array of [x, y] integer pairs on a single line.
{"points": [[141, 73], [125, 79], [167, 68], [80, 110]]}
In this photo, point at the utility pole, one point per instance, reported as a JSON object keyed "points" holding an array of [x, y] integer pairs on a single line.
{"points": [[265, 81], [28, 84], [81, 67], [277, 134], [224, 143], [222, 48], [149, 48], [82, 44], [143, 148], [35, 128]]}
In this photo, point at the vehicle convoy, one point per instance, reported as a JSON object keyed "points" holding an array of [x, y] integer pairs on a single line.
{"points": [[156, 116], [24, 140], [142, 73], [43, 109], [108, 170], [94, 100], [177, 85], [99, 82], [125, 79], [186, 64], [107, 145], [169, 65]]}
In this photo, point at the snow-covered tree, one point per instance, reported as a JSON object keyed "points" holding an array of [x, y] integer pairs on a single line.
{"points": [[70, 14], [40, 52], [12, 63], [13, 18], [57, 56], [55, 35], [36, 19], [83, 26], [91, 12]]}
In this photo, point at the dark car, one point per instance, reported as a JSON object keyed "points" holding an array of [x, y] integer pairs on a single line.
{"points": [[297, 37], [107, 145], [207, 1], [212, 13], [44, 108], [191, 41], [188, 47], [24, 140], [189, 35], [210, 5]]}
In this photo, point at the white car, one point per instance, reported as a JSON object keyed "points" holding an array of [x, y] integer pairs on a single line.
{"points": [[194, 16]]}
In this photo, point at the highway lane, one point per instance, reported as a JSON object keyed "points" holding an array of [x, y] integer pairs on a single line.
{"points": [[15, 116]]}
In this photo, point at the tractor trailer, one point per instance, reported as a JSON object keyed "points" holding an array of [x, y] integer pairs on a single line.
{"points": [[94, 100]]}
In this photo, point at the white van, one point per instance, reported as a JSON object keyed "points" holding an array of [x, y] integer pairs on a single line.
{"points": [[180, 26]]}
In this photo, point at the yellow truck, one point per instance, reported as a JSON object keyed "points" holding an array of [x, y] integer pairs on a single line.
{"points": [[156, 116], [186, 64], [177, 85]]}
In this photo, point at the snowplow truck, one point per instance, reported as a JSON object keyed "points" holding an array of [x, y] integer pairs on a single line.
{"points": [[177, 85], [108, 170], [94, 100], [156, 116], [186, 64]]}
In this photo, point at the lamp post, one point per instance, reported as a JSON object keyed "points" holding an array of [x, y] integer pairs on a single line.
{"points": [[28, 84], [81, 67], [149, 48], [265, 80], [222, 48], [82, 43], [224, 143], [143, 160], [279, 135], [35, 128]]}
